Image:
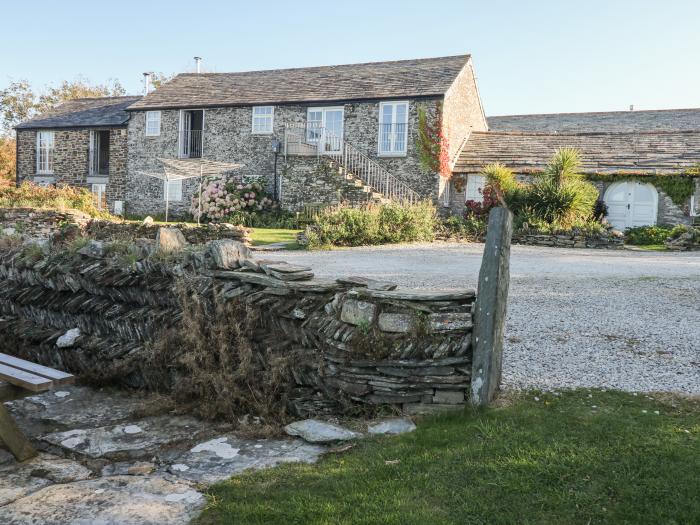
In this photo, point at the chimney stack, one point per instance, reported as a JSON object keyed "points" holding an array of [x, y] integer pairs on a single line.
{"points": [[146, 83], [198, 62]]}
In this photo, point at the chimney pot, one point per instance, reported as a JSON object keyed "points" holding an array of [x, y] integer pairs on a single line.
{"points": [[146, 83], [198, 62]]}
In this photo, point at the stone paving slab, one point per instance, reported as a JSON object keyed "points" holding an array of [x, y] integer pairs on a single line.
{"points": [[20, 479], [118, 500], [225, 456], [138, 439], [71, 407]]}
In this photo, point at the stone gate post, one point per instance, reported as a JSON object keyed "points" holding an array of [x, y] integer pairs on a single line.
{"points": [[490, 308]]}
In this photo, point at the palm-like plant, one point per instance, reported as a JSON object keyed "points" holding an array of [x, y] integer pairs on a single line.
{"points": [[563, 166]]}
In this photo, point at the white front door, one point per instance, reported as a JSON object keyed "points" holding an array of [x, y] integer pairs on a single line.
{"points": [[631, 204], [325, 127]]}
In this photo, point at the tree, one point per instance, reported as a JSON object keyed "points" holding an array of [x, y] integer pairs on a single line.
{"points": [[158, 79], [18, 102], [79, 88], [7, 160]]}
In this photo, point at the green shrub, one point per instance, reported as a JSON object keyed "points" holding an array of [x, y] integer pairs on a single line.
{"points": [[29, 195], [264, 219], [468, 228], [643, 235], [680, 229], [559, 196], [375, 224]]}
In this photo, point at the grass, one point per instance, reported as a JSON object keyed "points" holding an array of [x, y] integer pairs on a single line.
{"points": [[650, 247], [262, 236], [582, 457]]}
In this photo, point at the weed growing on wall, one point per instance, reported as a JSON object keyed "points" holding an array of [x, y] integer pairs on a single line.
{"points": [[219, 373]]}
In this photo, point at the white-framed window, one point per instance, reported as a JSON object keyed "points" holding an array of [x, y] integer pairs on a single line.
{"points": [[152, 123], [99, 195], [44, 152], [172, 190], [474, 190], [325, 126], [393, 128], [263, 118]]}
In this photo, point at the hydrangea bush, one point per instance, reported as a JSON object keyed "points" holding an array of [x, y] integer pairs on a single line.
{"points": [[224, 197]]}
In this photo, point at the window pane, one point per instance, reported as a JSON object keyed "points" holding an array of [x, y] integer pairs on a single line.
{"points": [[401, 113], [387, 113]]}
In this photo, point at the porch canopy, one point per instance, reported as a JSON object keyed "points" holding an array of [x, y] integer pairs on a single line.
{"points": [[183, 169]]}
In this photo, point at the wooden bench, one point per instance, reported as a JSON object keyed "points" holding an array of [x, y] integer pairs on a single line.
{"points": [[30, 377]]}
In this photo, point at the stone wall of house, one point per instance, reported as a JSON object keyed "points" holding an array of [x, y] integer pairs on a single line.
{"points": [[356, 339], [33, 223], [228, 138], [71, 161], [462, 110]]}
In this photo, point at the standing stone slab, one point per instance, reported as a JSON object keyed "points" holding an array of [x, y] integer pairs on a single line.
{"points": [[228, 254], [169, 240], [490, 308]]}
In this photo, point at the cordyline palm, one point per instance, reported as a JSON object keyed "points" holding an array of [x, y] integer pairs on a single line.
{"points": [[563, 165]]}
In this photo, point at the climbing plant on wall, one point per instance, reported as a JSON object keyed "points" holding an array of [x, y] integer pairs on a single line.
{"points": [[431, 142], [678, 187]]}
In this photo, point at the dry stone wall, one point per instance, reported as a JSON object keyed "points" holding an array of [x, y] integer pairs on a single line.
{"points": [[357, 340], [44, 223]]}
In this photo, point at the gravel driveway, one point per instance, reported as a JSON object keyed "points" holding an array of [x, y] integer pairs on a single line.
{"points": [[593, 318]]}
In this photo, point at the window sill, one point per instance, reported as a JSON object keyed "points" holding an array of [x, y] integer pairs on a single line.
{"points": [[264, 133], [390, 155], [151, 136]]}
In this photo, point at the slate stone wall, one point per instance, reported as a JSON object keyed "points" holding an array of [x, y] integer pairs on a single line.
{"points": [[71, 161], [358, 340], [37, 223], [32, 223], [228, 138]]}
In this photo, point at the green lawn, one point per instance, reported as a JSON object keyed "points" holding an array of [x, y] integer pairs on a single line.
{"points": [[261, 236], [584, 457], [653, 247]]}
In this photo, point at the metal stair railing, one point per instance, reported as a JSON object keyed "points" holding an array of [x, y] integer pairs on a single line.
{"points": [[300, 140]]}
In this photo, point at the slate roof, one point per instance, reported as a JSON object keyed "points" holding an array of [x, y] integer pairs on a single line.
{"points": [[632, 153], [375, 80], [603, 121], [84, 113]]}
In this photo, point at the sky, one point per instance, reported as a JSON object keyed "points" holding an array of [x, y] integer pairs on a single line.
{"points": [[529, 56]]}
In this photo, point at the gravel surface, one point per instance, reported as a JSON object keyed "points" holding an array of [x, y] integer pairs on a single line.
{"points": [[627, 320]]}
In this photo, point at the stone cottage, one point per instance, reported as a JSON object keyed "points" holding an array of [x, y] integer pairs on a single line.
{"points": [[317, 135], [625, 154], [81, 142]]}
